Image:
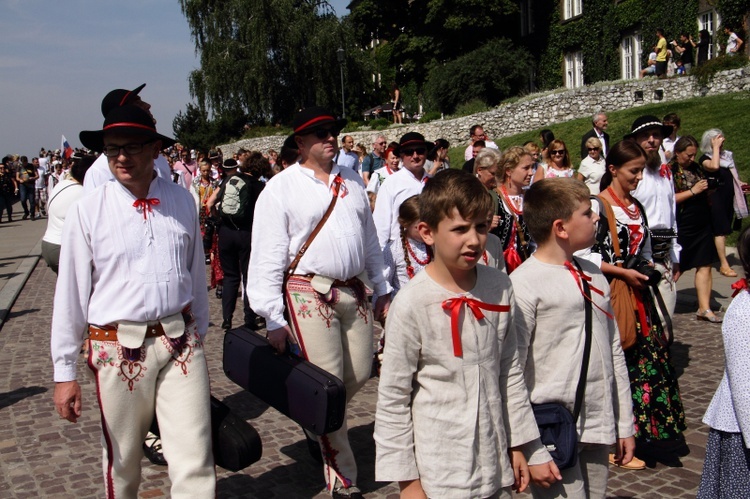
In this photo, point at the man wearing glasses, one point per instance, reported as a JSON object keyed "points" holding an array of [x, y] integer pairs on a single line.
{"points": [[375, 160], [331, 321], [132, 282], [476, 133], [99, 172], [403, 184]]}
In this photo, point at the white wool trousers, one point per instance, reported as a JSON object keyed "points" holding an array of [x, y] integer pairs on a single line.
{"points": [[335, 332], [168, 377]]}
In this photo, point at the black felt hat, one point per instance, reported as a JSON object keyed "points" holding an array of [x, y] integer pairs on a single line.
{"points": [[118, 98], [126, 120], [412, 139], [312, 118], [646, 122]]}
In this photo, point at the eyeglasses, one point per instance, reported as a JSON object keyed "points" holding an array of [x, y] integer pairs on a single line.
{"points": [[381, 143], [113, 151], [559, 152], [593, 148], [410, 152]]}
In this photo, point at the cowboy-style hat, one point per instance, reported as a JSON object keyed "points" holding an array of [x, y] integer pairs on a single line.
{"points": [[119, 97], [312, 118], [646, 122], [230, 164], [127, 120]]}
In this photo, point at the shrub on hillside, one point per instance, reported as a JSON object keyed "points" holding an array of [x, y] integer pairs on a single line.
{"points": [[705, 73], [380, 123], [493, 72]]}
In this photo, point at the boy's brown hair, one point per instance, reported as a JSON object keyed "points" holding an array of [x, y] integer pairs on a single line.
{"points": [[451, 189], [551, 199]]}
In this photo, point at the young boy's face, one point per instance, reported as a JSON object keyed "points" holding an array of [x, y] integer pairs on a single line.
{"points": [[581, 227], [457, 243]]}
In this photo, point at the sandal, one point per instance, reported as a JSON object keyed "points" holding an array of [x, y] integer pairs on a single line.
{"points": [[634, 464], [708, 316], [727, 272]]}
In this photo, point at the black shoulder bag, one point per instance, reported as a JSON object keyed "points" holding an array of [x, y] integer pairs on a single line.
{"points": [[557, 426]]}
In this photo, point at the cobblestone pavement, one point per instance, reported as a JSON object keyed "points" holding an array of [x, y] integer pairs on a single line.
{"points": [[44, 456]]}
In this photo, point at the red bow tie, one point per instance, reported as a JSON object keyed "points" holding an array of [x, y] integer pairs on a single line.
{"points": [[739, 286], [454, 305], [338, 185], [579, 275], [665, 171], [145, 205]]}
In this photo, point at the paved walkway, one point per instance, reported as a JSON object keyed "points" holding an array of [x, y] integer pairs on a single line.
{"points": [[43, 456]]}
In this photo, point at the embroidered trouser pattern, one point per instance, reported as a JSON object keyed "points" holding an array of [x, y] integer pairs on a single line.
{"points": [[170, 377], [334, 332]]}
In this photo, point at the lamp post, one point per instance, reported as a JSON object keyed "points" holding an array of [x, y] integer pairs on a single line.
{"points": [[340, 57]]}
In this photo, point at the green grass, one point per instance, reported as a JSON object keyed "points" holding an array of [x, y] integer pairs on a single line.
{"points": [[729, 112]]}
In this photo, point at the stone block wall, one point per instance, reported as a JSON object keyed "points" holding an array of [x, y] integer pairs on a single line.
{"points": [[541, 110]]}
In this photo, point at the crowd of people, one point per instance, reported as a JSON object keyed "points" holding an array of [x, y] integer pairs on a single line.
{"points": [[322, 239], [678, 57]]}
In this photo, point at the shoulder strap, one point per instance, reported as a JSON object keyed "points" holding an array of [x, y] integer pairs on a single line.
{"points": [[610, 216], [586, 348], [57, 193], [311, 237]]}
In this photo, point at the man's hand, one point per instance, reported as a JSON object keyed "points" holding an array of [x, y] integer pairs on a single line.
{"points": [[278, 338], [381, 307], [624, 450], [67, 399], [545, 475], [676, 271]]}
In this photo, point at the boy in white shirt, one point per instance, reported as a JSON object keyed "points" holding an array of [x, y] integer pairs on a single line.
{"points": [[453, 409], [550, 323]]}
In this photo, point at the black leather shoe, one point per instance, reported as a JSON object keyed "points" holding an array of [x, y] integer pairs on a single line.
{"points": [[219, 291], [226, 325], [152, 451], [350, 493]]}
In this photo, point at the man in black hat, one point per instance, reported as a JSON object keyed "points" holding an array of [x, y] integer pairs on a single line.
{"points": [[330, 318], [132, 281], [400, 186], [99, 172], [235, 199], [656, 193]]}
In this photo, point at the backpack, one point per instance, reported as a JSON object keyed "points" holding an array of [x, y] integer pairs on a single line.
{"points": [[236, 198]]}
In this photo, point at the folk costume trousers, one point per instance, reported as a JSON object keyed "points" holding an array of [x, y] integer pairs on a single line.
{"points": [[170, 377], [335, 332], [667, 288]]}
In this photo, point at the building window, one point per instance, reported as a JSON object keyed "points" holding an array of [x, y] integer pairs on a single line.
{"points": [[572, 8], [709, 21], [574, 69], [630, 56]]}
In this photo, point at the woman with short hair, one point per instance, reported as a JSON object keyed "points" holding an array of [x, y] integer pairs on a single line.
{"points": [[592, 166]]}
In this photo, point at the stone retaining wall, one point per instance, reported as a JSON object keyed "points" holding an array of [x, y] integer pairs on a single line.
{"points": [[539, 111]]}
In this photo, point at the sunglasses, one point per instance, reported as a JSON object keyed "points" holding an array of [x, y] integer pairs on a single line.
{"points": [[559, 152], [410, 152], [593, 148], [323, 133]]}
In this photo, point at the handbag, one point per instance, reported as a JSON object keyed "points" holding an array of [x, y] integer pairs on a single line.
{"points": [[557, 426], [624, 304], [302, 391]]}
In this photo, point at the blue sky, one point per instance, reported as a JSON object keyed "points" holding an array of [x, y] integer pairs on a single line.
{"points": [[59, 58]]}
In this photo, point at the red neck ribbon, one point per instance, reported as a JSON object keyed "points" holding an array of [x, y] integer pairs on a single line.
{"points": [[454, 305], [145, 205], [665, 171], [739, 286], [578, 275], [339, 185]]}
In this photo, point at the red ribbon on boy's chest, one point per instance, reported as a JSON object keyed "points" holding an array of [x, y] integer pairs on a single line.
{"points": [[454, 306], [579, 275], [145, 204]]}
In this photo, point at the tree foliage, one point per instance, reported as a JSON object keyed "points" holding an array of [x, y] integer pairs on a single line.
{"points": [[266, 58], [491, 73]]}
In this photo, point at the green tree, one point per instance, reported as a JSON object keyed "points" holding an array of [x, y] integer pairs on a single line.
{"points": [[268, 58]]}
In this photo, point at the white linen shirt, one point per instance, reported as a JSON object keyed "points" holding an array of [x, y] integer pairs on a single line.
{"points": [[592, 172], [729, 409], [378, 177], [286, 212], [656, 194], [444, 419], [116, 266], [100, 173], [64, 195], [396, 189], [550, 323]]}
